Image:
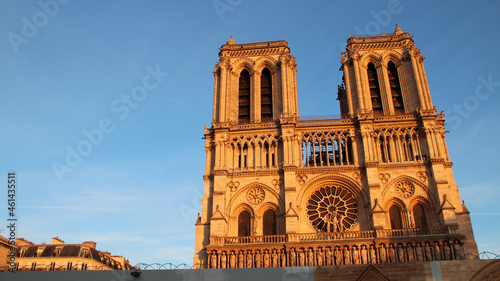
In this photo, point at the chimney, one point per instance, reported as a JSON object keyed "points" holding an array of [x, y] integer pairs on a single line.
{"points": [[57, 241], [91, 244]]}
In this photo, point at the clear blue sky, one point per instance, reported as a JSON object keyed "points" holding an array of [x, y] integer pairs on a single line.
{"points": [[72, 67]]}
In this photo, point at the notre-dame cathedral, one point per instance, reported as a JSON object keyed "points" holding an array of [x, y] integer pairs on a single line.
{"points": [[372, 185]]}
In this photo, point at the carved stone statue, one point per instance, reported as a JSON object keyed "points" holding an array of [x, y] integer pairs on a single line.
{"points": [[275, 260], [293, 258], [223, 260], [249, 259]]}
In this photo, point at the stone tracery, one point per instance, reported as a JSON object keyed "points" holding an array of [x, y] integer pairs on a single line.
{"points": [[332, 209], [306, 164]]}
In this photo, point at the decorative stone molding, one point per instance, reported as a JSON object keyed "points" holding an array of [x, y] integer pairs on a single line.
{"points": [[332, 209], [421, 176], [233, 186], [277, 183], [356, 176], [256, 195], [384, 178], [405, 189], [301, 180]]}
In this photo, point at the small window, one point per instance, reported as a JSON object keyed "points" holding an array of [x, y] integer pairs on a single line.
{"points": [[269, 223], [419, 216], [244, 224], [395, 216]]}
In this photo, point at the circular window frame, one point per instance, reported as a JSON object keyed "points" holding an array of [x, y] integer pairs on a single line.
{"points": [[332, 208]]}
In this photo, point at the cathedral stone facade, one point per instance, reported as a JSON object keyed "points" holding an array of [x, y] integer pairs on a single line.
{"points": [[372, 185]]}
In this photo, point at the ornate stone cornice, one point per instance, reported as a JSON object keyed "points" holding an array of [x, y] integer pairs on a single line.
{"points": [[220, 173], [254, 173], [323, 170], [437, 160], [289, 168], [389, 166], [448, 164], [254, 49]]}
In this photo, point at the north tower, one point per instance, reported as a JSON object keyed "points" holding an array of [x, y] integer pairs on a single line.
{"points": [[374, 185]]}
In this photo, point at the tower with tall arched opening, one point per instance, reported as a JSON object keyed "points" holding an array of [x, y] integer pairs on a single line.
{"points": [[372, 185]]}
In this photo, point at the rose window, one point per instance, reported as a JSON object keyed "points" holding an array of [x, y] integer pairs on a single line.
{"points": [[405, 189], [332, 209], [256, 195]]}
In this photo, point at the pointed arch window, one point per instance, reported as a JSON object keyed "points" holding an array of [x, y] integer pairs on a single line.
{"points": [[269, 223], [244, 224], [374, 86], [397, 97], [266, 96], [395, 217], [419, 216], [244, 97]]}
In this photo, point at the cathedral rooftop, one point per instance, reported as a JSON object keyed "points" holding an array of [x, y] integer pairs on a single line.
{"points": [[397, 35], [231, 45]]}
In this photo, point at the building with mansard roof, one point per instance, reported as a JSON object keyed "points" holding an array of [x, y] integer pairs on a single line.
{"points": [[59, 256], [373, 185]]}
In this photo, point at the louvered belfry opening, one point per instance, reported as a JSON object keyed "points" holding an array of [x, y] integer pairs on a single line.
{"points": [[397, 97], [374, 90], [244, 98], [266, 98]]}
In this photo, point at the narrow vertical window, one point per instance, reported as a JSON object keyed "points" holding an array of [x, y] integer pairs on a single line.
{"points": [[244, 97], [395, 216], [269, 223], [266, 96], [385, 149], [374, 90], [244, 224], [419, 216], [397, 97]]}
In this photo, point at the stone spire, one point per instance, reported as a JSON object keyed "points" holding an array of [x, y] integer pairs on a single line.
{"points": [[397, 31], [231, 41]]}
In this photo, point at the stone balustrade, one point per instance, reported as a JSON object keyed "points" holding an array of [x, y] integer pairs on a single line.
{"points": [[333, 236]]}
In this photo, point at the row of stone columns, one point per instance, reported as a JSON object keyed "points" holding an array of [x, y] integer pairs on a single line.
{"points": [[253, 155], [319, 150], [398, 147]]}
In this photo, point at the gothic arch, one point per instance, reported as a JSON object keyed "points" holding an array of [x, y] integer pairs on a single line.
{"points": [[243, 63], [393, 56], [395, 201], [403, 213], [429, 210], [268, 206], [243, 207], [416, 200], [372, 57], [358, 222], [267, 227], [271, 197], [264, 62], [424, 191], [342, 180], [233, 229]]}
